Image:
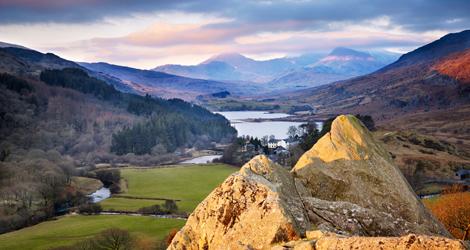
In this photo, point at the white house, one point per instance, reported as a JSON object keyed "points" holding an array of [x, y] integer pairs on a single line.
{"points": [[272, 143], [285, 143]]}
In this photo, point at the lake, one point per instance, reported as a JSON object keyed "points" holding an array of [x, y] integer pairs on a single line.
{"points": [[259, 129]]}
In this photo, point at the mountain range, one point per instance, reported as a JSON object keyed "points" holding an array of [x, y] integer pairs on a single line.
{"points": [[288, 72], [230, 72]]}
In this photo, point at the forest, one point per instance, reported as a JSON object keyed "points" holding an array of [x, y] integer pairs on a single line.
{"points": [[60, 124]]}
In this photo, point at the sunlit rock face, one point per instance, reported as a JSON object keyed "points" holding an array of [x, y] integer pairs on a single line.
{"points": [[355, 188], [256, 207], [345, 186]]}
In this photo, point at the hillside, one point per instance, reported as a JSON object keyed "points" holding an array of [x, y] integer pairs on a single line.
{"points": [[21, 61], [57, 122], [162, 84], [456, 66]]}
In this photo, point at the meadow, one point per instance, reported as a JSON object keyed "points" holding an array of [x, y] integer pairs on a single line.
{"points": [[189, 184], [69, 229]]}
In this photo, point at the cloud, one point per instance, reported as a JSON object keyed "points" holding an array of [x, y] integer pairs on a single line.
{"points": [[411, 14], [147, 33]]}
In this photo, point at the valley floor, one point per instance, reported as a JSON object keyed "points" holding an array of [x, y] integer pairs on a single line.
{"points": [[67, 230], [188, 184]]}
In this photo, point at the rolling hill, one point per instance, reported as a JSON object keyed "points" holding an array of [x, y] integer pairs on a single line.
{"points": [[163, 84], [19, 60]]}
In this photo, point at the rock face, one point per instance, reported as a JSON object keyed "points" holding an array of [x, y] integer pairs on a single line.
{"points": [[355, 188], [346, 186], [256, 207]]}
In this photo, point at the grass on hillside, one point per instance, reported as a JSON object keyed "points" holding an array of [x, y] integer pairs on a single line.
{"points": [[70, 229], [190, 184]]}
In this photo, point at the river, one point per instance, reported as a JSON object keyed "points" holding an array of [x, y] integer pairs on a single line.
{"points": [[279, 129], [201, 159], [100, 195]]}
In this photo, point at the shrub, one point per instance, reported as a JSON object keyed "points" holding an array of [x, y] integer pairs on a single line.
{"points": [[456, 188], [453, 210], [367, 121], [170, 236], [155, 209], [90, 208]]}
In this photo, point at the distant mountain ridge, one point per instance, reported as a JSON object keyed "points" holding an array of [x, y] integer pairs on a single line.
{"points": [[341, 63], [232, 67], [288, 72], [162, 84], [18, 60]]}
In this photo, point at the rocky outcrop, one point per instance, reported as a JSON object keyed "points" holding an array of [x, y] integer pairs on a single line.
{"points": [[346, 186], [254, 208], [355, 188]]}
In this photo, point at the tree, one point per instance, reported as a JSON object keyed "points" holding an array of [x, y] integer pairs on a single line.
{"points": [[114, 239], [292, 132], [170, 206], [264, 140], [109, 176]]}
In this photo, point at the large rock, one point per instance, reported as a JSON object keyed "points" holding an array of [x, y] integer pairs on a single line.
{"points": [[346, 186], [256, 207], [355, 188]]}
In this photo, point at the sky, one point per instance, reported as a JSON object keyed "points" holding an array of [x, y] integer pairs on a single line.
{"points": [[145, 34]]}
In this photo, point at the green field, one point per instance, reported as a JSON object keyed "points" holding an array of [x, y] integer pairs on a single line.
{"points": [[69, 229], [190, 184]]}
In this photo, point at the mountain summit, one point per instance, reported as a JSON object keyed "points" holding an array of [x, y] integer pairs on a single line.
{"points": [[341, 51], [345, 185], [234, 59]]}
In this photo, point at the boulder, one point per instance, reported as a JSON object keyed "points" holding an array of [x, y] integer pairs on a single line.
{"points": [[354, 188], [254, 208]]}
